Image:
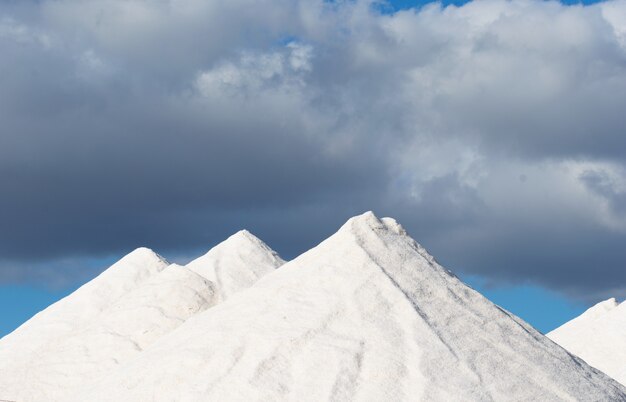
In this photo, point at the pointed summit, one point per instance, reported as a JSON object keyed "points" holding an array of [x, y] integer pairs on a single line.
{"points": [[142, 256], [121, 332], [126, 274], [366, 218], [236, 263], [601, 308], [369, 221], [365, 315], [598, 336], [84, 304], [77, 310]]}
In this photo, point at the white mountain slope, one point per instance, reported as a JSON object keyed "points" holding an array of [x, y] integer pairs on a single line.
{"points": [[129, 325], [366, 315], [81, 307], [599, 337], [236, 263], [122, 331]]}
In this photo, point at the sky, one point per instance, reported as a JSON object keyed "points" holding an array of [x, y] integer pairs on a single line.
{"points": [[492, 130]]}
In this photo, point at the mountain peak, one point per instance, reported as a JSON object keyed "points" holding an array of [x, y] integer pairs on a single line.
{"points": [[595, 336], [366, 219], [367, 227], [369, 221], [142, 255], [243, 237], [241, 243], [236, 263], [600, 308], [81, 307]]}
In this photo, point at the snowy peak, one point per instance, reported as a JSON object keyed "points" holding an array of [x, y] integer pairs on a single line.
{"points": [[142, 255], [236, 263], [368, 225], [381, 240], [601, 308], [601, 311], [368, 221], [76, 311], [598, 336], [243, 243], [245, 236], [87, 301], [132, 269], [121, 277]]}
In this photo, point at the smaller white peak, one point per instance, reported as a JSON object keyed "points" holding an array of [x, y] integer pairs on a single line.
{"points": [[236, 263], [128, 272], [244, 240], [143, 254], [601, 308], [244, 235], [240, 242]]}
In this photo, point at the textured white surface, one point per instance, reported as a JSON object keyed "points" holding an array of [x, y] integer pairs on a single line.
{"points": [[598, 336], [236, 263], [366, 315], [122, 331], [21, 350], [104, 326], [82, 306]]}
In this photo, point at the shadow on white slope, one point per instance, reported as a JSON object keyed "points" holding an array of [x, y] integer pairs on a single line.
{"points": [[366, 315], [129, 322], [599, 337]]}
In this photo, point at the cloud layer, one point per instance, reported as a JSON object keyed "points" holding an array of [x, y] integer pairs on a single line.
{"points": [[494, 131]]}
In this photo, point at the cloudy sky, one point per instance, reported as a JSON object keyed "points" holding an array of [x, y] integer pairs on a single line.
{"points": [[494, 131]]}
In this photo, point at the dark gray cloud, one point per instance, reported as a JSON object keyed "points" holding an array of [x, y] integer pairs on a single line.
{"points": [[494, 131]]}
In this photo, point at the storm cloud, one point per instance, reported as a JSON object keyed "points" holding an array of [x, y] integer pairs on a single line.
{"points": [[494, 131]]}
